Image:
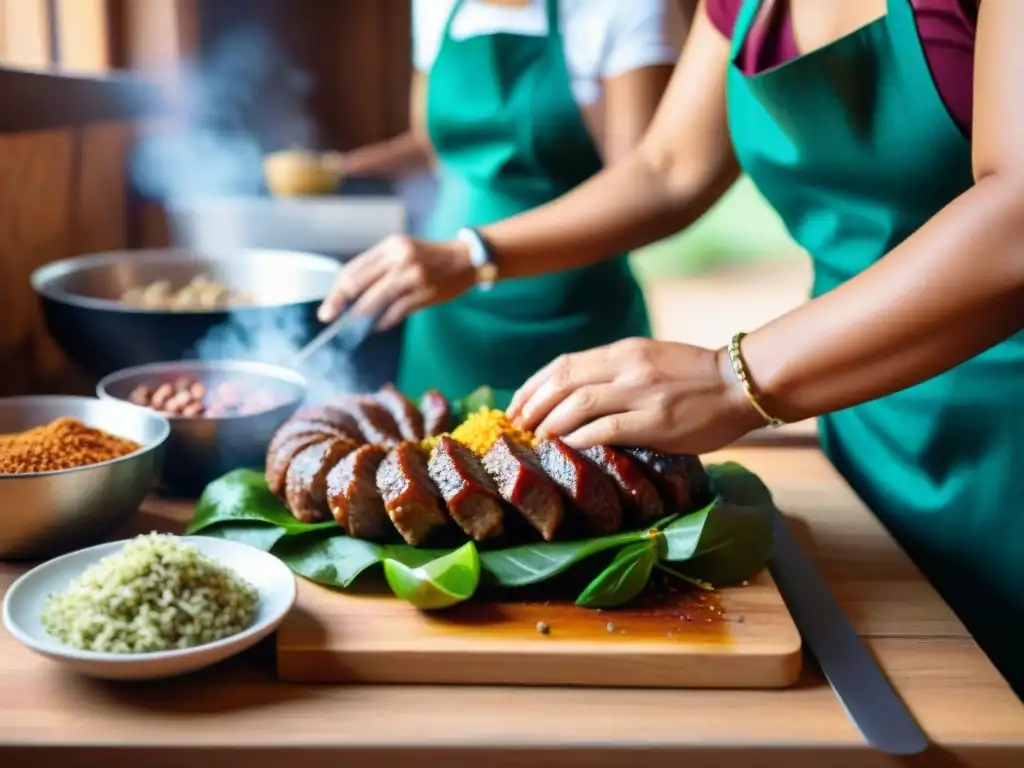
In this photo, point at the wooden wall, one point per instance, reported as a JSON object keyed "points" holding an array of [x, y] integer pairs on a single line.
{"points": [[356, 52], [64, 190]]}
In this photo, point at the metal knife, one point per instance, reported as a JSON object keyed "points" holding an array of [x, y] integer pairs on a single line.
{"points": [[868, 697], [351, 331]]}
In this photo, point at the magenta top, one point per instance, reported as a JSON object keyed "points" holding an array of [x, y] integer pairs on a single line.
{"points": [[946, 29]]}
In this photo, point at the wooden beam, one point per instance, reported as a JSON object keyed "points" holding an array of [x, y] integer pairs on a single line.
{"points": [[40, 100]]}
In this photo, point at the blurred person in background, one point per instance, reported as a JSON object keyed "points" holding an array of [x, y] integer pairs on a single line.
{"points": [[886, 134], [517, 102]]}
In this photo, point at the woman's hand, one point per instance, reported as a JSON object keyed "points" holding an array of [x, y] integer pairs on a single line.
{"points": [[398, 276], [668, 396]]}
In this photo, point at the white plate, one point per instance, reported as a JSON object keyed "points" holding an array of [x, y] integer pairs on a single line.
{"points": [[23, 608]]}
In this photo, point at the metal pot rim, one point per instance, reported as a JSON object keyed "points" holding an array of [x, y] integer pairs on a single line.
{"points": [[43, 278], [253, 367]]}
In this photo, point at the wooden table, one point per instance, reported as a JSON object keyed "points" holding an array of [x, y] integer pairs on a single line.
{"points": [[238, 710]]}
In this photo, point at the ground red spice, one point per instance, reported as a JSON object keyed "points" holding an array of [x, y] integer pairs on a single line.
{"points": [[62, 444]]}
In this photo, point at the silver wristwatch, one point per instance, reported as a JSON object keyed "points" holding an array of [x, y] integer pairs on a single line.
{"points": [[480, 257]]}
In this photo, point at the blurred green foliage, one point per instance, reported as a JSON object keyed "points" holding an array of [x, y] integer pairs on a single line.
{"points": [[740, 228]]}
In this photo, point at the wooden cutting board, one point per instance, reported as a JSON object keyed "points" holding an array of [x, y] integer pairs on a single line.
{"points": [[741, 637]]}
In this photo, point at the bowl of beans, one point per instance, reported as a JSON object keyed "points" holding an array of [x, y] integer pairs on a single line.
{"points": [[72, 469], [222, 413]]}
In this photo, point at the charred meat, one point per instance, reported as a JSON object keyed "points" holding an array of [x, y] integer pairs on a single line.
{"points": [[436, 413], [522, 483], [410, 497], [352, 494], [337, 419], [472, 497], [680, 479], [640, 499], [281, 457], [404, 412], [306, 481], [294, 427], [374, 422], [590, 491]]}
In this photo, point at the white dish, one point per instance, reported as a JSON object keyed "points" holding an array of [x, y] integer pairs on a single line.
{"points": [[23, 606]]}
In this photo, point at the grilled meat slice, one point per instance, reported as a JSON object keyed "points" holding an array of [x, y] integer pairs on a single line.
{"points": [[436, 413], [640, 500], [522, 483], [295, 426], [279, 460], [472, 497], [591, 492], [306, 482], [338, 418], [410, 497], [404, 412], [352, 494], [374, 422], [680, 479]]}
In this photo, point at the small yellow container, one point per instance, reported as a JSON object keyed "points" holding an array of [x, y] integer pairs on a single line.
{"points": [[299, 173]]}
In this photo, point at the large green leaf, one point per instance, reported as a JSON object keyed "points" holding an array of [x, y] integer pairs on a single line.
{"points": [[731, 538], [260, 535], [726, 541], [623, 579], [534, 563], [243, 496], [328, 557]]}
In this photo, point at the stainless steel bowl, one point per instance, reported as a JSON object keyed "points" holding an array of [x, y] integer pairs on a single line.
{"points": [[202, 449], [84, 314], [46, 513]]}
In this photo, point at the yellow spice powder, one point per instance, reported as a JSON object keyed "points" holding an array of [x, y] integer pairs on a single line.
{"points": [[481, 429]]}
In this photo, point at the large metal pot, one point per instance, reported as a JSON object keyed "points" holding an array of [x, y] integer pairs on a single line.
{"points": [[81, 304]]}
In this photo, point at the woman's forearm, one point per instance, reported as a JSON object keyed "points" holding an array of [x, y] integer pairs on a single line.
{"points": [[949, 292], [631, 204], [403, 155], [681, 168]]}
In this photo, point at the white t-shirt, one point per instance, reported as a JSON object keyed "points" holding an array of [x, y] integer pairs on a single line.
{"points": [[602, 38]]}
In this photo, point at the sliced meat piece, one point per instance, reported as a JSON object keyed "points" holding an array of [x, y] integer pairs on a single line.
{"points": [[405, 413], [374, 422], [410, 497], [305, 484], [640, 500], [680, 479], [295, 426], [590, 491], [337, 417], [353, 497], [472, 497], [436, 413], [279, 461], [521, 481]]}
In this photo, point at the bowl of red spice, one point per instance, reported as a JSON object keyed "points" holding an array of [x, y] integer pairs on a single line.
{"points": [[72, 469]]}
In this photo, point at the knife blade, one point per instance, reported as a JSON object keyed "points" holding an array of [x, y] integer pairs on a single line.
{"points": [[350, 330], [868, 697]]}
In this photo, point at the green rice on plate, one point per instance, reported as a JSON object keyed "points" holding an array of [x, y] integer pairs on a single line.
{"points": [[158, 593]]}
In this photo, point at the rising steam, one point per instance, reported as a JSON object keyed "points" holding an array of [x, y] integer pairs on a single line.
{"points": [[242, 100]]}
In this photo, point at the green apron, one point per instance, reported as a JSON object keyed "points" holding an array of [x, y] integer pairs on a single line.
{"points": [[853, 147], [509, 137]]}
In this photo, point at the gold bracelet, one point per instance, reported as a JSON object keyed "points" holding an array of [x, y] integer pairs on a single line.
{"points": [[739, 367]]}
